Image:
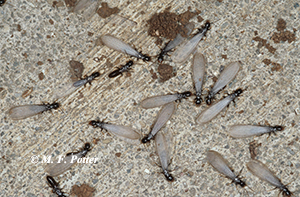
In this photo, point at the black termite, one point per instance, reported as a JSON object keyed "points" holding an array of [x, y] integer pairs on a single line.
{"points": [[119, 71], [55, 186], [83, 151], [86, 80], [25, 111]]}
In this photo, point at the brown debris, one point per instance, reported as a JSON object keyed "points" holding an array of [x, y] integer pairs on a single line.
{"points": [[276, 66], [263, 43], [253, 148], [118, 154], [283, 35], [27, 92], [82, 191], [41, 76], [76, 69], [168, 24], [153, 74], [70, 3], [106, 11], [281, 25], [224, 56], [165, 72]]}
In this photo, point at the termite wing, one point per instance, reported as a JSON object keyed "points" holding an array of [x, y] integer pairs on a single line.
{"points": [[198, 66], [118, 45], [183, 51], [164, 115], [227, 75], [162, 150], [174, 43], [123, 132], [212, 111], [55, 186], [71, 87], [264, 173], [26, 111], [65, 163], [87, 8], [221, 165], [243, 131], [157, 101]]}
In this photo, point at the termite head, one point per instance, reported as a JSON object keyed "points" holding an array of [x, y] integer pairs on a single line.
{"points": [[238, 181], [95, 74], [278, 128], [87, 146], [145, 140], [286, 192], [186, 94], [168, 176], [2, 2], [198, 99], [52, 106], [207, 25], [238, 92], [146, 58], [129, 63], [160, 58], [209, 99], [96, 123]]}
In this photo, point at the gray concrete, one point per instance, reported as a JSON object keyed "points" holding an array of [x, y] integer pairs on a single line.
{"points": [[271, 96]]}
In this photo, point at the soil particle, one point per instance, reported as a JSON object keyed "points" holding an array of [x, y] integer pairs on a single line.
{"points": [[76, 69], [82, 191], [275, 66], [283, 35], [168, 24], [153, 74], [27, 92], [263, 43], [106, 11], [253, 148], [41, 76], [165, 72], [70, 3]]}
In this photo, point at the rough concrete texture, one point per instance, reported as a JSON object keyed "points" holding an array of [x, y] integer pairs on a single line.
{"points": [[37, 43]]}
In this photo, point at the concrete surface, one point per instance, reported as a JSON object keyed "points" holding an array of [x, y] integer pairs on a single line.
{"points": [[31, 45]]}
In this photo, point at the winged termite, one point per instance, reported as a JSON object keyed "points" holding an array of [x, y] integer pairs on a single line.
{"points": [[183, 51], [264, 173], [157, 101], [163, 154], [123, 132], [198, 66], [221, 165], [163, 116], [71, 87], [225, 77], [243, 131], [118, 45], [174, 43], [65, 163], [26, 111], [211, 112]]}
